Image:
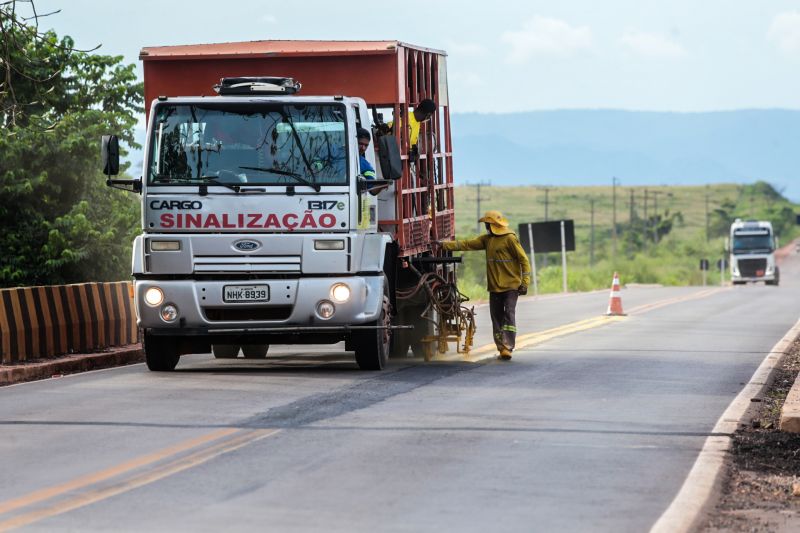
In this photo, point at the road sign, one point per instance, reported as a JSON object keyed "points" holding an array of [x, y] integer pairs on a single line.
{"points": [[547, 236], [704, 264], [722, 263]]}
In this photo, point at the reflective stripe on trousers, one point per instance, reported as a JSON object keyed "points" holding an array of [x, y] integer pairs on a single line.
{"points": [[502, 308]]}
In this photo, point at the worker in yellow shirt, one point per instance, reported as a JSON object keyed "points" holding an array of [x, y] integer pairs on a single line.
{"points": [[508, 273], [424, 111]]}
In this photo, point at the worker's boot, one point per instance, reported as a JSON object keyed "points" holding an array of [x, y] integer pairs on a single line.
{"points": [[505, 354]]}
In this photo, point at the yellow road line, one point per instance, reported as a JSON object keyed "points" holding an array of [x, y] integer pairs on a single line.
{"points": [[232, 439], [531, 339], [96, 477], [678, 299]]}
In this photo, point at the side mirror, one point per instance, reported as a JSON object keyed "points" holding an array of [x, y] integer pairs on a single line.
{"points": [[365, 184], [389, 157], [110, 155]]}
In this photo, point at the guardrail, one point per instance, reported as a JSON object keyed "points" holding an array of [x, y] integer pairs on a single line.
{"points": [[47, 321]]}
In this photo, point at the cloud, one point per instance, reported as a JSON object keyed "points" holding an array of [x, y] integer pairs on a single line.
{"points": [[466, 49], [546, 36], [652, 45], [467, 79], [784, 32]]}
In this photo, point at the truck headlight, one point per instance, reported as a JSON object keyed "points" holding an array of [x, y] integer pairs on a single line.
{"points": [[165, 246], [340, 293], [154, 296], [329, 244]]}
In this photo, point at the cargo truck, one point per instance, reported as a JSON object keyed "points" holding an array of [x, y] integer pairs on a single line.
{"points": [[752, 252], [258, 226]]}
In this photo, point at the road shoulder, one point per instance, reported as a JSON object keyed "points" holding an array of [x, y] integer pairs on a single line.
{"points": [[70, 364], [761, 487]]}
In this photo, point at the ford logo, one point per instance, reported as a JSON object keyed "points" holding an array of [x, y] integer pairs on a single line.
{"points": [[247, 246]]}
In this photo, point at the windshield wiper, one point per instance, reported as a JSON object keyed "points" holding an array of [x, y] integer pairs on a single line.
{"points": [[214, 180], [206, 180], [294, 175]]}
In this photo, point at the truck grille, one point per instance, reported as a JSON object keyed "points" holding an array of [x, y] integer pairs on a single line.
{"points": [[251, 263], [222, 314], [750, 267]]}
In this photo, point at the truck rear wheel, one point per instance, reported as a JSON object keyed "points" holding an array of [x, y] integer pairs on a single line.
{"points": [[255, 351], [160, 353], [225, 351], [372, 345]]}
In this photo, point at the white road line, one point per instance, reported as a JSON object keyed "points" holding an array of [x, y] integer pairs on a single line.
{"points": [[699, 489]]}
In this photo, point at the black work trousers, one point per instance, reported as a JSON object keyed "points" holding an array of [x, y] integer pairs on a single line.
{"points": [[502, 308]]}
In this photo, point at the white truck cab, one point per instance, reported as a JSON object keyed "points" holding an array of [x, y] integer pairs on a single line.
{"points": [[752, 252], [258, 227]]}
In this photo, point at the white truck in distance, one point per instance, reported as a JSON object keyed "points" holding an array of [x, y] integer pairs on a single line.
{"points": [[752, 247]]}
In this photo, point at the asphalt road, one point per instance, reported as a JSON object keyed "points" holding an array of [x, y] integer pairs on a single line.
{"points": [[591, 430]]}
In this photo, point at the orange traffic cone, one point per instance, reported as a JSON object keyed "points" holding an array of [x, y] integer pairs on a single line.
{"points": [[615, 300]]}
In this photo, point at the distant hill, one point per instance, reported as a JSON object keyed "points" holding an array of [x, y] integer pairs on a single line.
{"points": [[588, 147]]}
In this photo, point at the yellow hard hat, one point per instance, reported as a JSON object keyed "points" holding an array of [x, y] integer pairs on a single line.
{"points": [[498, 223]]}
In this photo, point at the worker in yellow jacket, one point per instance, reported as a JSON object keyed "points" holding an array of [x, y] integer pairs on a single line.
{"points": [[508, 273]]}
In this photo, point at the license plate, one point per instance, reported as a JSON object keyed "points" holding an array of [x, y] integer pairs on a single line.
{"points": [[245, 293]]}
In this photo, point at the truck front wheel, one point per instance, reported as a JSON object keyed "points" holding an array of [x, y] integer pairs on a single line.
{"points": [[372, 345], [255, 351], [160, 353], [225, 351]]}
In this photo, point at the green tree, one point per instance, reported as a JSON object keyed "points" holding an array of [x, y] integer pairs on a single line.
{"points": [[61, 224]]}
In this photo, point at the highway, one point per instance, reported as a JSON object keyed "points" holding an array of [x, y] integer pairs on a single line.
{"points": [[593, 426]]}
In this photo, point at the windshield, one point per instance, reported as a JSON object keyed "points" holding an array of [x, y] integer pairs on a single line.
{"points": [[752, 243], [276, 144]]}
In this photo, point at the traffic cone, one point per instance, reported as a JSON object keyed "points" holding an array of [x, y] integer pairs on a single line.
{"points": [[615, 300]]}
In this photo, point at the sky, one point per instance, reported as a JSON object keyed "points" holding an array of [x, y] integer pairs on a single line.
{"points": [[506, 56]]}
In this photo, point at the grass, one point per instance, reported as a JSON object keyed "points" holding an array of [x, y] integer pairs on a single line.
{"points": [[673, 260]]}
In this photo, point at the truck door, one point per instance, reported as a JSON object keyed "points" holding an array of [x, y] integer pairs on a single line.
{"points": [[368, 213]]}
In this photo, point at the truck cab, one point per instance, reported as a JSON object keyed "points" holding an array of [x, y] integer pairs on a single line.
{"points": [[752, 252]]}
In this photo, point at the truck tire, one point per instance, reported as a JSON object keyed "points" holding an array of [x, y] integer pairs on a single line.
{"points": [[372, 345], [160, 353], [225, 351], [255, 351]]}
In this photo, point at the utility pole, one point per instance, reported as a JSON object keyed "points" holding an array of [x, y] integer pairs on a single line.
{"points": [[655, 215], [546, 217], [614, 182], [646, 220], [478, 199], [630, 216], [707, 214], [546, 203], [591, 233]]}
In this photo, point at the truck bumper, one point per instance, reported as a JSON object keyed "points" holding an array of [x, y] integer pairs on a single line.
{"points": [[291, 306]]}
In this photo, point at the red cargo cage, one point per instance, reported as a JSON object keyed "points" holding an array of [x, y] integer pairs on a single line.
{"points": [[389, 75]]}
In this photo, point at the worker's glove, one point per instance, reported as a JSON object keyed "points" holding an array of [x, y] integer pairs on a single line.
{"points": [[523, 290]]}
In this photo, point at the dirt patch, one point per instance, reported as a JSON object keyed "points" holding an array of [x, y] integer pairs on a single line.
{"points": [[761, 490]]}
